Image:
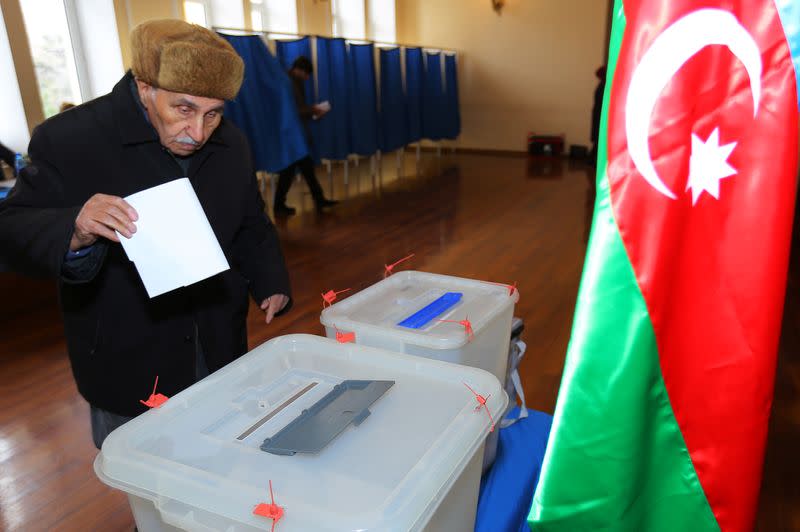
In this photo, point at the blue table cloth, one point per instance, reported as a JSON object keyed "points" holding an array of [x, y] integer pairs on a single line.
{"points": [[507, 488]]}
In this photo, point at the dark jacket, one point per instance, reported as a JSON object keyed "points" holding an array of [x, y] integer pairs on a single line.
{"points": [[118, 339], [597, 109], [305, 111]]}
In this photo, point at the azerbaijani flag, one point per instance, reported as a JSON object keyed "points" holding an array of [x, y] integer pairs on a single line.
{"points": [[662, 413]]}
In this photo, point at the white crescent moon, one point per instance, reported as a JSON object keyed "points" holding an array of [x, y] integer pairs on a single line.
{"points": [[670, 50]]}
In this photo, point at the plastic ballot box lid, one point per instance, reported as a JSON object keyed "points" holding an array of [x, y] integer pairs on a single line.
{"points": [[396, 433], [424, 309]]}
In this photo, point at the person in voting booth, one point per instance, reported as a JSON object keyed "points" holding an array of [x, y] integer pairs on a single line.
{"points": [[299, 73], [162, 121]]}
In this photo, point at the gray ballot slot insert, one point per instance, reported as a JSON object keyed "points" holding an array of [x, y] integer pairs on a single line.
{"points": [[316, 427], [275, 412]]}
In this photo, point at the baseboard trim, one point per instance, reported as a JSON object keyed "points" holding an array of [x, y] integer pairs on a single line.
{"points": [[485, 151], [469, 151]]}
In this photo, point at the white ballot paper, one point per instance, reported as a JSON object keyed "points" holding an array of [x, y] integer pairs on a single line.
{"points": [[173, 245]]}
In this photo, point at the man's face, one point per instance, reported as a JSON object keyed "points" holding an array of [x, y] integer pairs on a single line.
{"points": [[183, 122], [301, 74]]}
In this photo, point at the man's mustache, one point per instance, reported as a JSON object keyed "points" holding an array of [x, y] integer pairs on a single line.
{"points": [[187, 140]]}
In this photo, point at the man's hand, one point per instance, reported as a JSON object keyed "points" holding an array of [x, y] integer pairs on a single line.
{"points": [[100, 217], [273, 304], [320, 110]]}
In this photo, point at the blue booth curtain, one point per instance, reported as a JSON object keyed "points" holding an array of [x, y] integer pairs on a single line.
{"points": [[288, 51], [415, 74], [393, 102], [265, 109], [433, 103], [330, 133], [452, 122], [363, 100]]}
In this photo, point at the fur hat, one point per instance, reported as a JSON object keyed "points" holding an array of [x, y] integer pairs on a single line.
{"points": [[180, 57]]}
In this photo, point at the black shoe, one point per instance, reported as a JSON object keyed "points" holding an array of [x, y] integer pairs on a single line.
{"points": [[326, 203], [284, 210]]}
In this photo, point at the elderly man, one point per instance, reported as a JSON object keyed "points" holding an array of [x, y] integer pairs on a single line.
{"points": [[162, 121]]}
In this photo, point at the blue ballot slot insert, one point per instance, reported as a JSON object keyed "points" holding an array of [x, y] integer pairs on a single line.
{"points": [[427, 314]]}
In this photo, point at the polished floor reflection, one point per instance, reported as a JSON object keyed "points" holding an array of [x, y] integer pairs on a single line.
{"points": [[505, 219]]}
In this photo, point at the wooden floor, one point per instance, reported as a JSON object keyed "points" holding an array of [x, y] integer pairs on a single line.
{"points": [[489, 217]]}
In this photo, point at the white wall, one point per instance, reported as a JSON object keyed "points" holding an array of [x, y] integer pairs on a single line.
{"points": [[13, 125], [529, 69]]}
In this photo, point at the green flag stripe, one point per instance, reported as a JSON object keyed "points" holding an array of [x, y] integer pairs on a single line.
{"points": [[616, 459]]}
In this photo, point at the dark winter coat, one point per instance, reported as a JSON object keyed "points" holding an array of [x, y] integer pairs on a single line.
{"points": [[119, 339]]}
